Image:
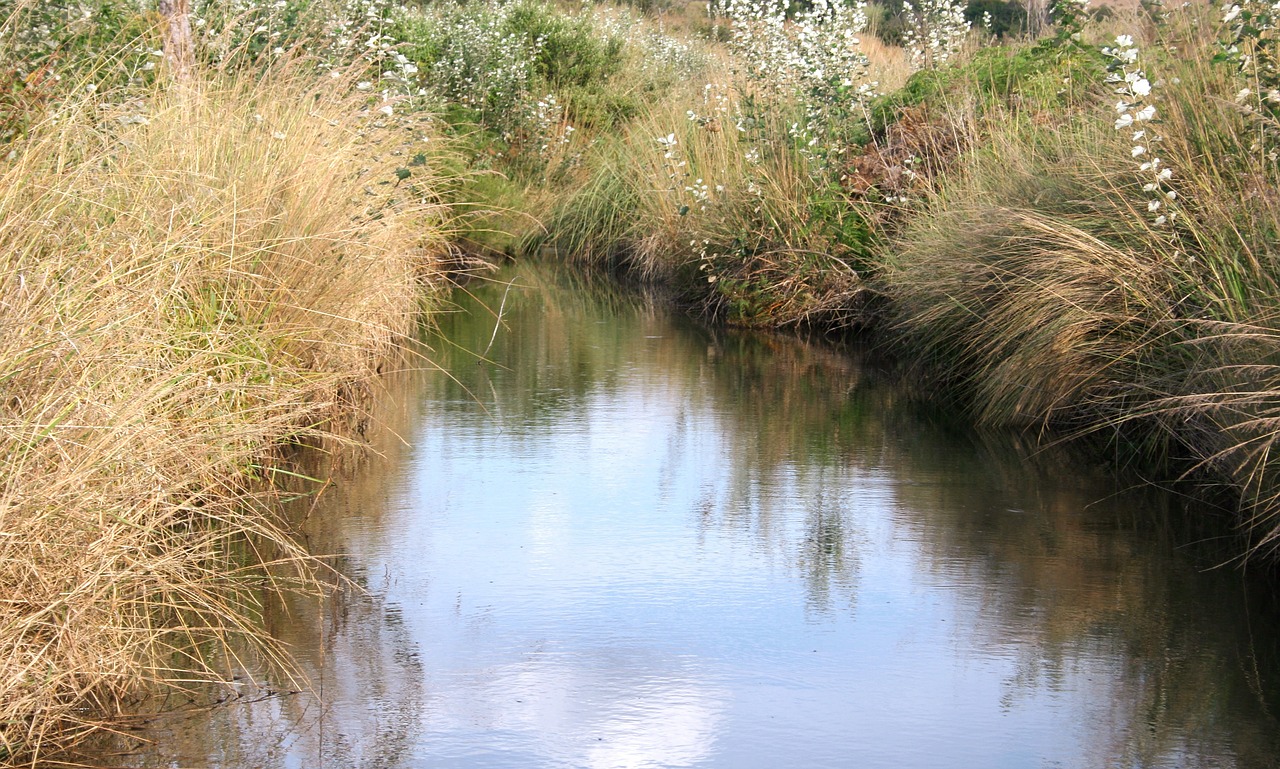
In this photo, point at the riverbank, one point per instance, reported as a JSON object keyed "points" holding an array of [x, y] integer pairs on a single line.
{"points": [[193, 278], [1069, 235]]}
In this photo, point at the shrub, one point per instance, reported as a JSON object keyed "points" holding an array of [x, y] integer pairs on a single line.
{"points": [[999, 17]]}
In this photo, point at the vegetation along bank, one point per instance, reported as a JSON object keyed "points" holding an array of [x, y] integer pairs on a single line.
{"points": [[1064, 217]]}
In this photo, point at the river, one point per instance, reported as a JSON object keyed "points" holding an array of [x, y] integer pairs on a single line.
{"points": [[605, 536]]}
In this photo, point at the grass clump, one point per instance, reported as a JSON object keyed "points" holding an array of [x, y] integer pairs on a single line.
{"points": [[1113, 269], [188, 282]]}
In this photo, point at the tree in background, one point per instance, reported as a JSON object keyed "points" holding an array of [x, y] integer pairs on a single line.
{"points": [[179, 50]]}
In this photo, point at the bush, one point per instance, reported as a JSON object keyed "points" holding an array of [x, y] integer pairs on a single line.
{"points": [[1004, 16]]}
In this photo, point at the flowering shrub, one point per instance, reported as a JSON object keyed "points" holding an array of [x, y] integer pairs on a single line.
{"points": [[935, 31], [44, 42], [661, 56], [813, 58], [474, 57], [815, 54]]}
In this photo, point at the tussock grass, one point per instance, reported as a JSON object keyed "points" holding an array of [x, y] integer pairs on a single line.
{"points": [[187, 281], [1016, 287], [1037, 283]]}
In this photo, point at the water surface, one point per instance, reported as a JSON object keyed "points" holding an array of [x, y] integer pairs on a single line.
{"points": [[606, 537]]}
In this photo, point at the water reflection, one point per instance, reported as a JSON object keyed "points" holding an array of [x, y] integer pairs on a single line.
{"points": [[618, 540]]}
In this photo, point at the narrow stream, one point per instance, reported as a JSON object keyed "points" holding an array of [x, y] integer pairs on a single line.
{"points": [[606, 537]]}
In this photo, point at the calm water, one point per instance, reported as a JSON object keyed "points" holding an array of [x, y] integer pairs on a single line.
{"points": [[605, 537]]}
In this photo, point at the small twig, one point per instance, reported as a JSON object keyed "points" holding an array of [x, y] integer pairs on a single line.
{"points": [[498, 323]]}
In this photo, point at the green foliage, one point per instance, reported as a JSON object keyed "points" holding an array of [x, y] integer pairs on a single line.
{"points": [[1006, 16], [49, 47], [1045, 76], [835, 218], [500, 59], [571, 52]]}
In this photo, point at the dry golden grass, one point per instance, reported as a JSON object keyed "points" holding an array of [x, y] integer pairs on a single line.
{"points": [[890, 65], [179, 295]]}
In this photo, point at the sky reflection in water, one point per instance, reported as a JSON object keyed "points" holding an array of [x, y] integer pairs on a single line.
{"points": [[627, 542]]}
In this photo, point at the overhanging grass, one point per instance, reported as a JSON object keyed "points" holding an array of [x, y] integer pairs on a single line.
{"points": [[187, 280], [1038, 285]]}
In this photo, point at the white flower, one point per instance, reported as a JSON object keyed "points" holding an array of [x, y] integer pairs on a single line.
{"points": [[1146, 113], [1244, 94], [1124, 121], [278, 135], [1166, 174], [1231, 14], [1142, 87], [1161, 219], [364, 85], [1138, 150], [1124, 41], [386, 109]]}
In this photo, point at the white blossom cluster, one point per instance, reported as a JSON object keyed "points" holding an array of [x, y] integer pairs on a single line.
{"points": [[816, 54], [936, 31], [481, 63], [550, 125], [335, 31], [813, 57], [1135, 115], [48, 26], [658, 52], [715, 107]]}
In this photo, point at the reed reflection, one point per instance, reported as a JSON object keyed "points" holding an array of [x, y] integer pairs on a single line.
{"points": [[612, 538]]}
